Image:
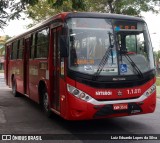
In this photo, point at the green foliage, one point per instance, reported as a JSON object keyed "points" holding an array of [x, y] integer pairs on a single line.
{"points": [[76, 4], [15, 7], [129, 7], [51, 7], [158, 81], [2, 47], [2, 50], [43, 10], [157, 56], [3, 13], [46, 8]]}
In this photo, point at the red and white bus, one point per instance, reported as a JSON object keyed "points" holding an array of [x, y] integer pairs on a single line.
{"points": [[84, 66]]}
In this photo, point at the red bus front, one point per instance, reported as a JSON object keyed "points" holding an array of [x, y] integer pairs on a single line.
{"points": [[109, 71]]}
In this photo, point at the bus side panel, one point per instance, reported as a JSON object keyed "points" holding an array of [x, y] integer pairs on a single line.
{"points": [[33, 79], [149, 104], [19, 76], [37, 73], [63, 98], [12, 70], [16, 72]]}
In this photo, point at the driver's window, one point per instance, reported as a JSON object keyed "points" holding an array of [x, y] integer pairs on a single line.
{"points": [[135, 43], [141, 44], [131, 43]]}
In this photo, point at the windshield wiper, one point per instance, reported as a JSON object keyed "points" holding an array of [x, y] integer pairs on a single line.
{"points": [[135, 67], [104, 59], [102, 63]]}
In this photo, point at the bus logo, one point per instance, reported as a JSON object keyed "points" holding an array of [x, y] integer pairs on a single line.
{"points": [[6, 137], [119, 93], [103, 92]]}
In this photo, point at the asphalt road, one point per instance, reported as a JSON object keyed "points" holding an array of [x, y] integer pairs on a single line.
{"points": [[19, 115]]}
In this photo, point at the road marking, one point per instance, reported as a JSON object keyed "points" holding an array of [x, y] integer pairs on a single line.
{"points": [[2, 117]]}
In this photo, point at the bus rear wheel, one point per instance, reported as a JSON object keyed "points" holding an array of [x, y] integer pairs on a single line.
{"points": [[45, 104]]}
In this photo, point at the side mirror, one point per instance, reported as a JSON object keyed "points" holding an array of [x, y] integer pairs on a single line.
{"points": [[63, 46]]}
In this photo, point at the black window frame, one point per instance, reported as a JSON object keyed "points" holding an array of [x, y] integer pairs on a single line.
{"points": [[41, 46], [33, 45]]}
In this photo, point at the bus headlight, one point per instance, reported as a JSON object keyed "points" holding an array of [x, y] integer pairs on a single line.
{"points": [[150, 90], [78, 93]]}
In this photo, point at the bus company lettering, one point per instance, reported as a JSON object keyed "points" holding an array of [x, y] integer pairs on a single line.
{"points": [[103, 93]]}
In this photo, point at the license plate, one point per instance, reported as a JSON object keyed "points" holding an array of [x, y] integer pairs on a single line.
{"points": [[120, 106]]}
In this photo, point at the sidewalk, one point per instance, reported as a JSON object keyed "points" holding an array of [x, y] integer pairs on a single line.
{"points": [[1, 75], [158, 91]]}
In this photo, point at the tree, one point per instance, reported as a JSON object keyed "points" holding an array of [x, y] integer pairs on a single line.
{"points": [[157, 56], [129, 7], [43, 10], [46, 8], [2, 43], [11, 9], [3, 13], [76, 4]]}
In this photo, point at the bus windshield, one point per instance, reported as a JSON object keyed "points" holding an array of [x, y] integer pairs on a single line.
{"points": [[109, 47]]}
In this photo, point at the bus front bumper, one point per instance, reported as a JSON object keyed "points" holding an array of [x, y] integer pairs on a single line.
{"points": [[82, 110]]}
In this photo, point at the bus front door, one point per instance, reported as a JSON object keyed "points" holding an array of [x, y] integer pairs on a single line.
{"points": [[56, 68], [26, 67], [7, 75]]}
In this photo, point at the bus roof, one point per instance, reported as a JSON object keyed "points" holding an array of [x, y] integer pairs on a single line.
{"points": [[66, 15], [102, 15]]}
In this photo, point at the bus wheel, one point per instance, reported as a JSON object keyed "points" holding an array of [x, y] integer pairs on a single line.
{"points": [[14, 88], [45, 104]]}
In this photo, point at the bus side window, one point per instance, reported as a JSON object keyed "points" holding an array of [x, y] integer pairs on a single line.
{"points": [[42, 44], [8, 52], [20, 49], [14, 50]]}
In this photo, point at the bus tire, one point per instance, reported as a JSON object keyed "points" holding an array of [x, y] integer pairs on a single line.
{"points": [[14, 88], [45, 104]]}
